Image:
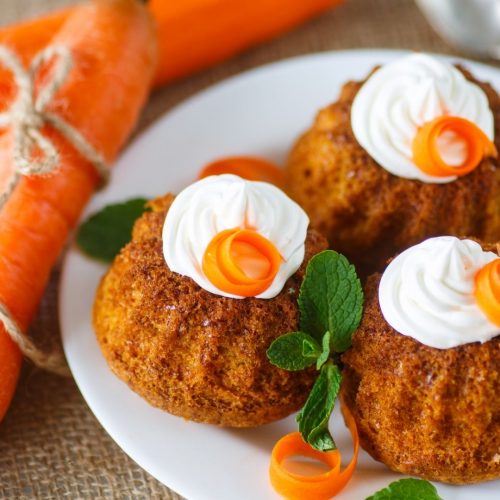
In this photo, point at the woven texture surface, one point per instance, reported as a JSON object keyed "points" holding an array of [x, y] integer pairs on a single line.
{"points": [[51, 446]]}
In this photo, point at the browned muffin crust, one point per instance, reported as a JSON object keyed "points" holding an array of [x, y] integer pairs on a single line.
{"points": [[423, 411], [369, 214], [195, 354]]}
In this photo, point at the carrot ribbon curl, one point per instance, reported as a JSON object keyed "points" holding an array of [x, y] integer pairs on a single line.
{"points": [[487, 291], [246, 167], [426, 154], [241, 262], [322, 486]]}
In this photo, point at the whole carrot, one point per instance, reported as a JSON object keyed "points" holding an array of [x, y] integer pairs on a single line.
{"points": [[196, 34], [113, 46]]}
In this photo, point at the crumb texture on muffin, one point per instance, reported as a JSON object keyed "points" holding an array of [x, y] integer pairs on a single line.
{"points": [[423, 411], [369, 214], [195, 354]]}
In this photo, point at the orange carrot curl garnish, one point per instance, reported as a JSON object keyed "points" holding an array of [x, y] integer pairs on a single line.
{"points": [[241, 262], [246, 167], [487, 291], [322, 486], [426, 153]]}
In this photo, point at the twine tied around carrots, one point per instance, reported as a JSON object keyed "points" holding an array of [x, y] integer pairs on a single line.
{"points": [[50, 361], [26, 116]]}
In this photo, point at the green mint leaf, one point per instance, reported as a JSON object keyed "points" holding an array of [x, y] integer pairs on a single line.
{"points": [[325, 354], [314, 417], [322, 440], [106, 232], [407, 489], [294, 351], [331, 299], [310, 348]]}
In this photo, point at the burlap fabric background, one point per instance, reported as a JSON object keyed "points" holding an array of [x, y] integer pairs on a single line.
{"points": [[51, 446]]}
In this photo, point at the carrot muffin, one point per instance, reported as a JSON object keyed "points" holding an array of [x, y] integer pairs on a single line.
{"points": [[404, 155], [422, 378], [188, 309]]}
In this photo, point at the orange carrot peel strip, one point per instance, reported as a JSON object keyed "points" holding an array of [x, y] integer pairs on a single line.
{"points": [[241, 262], [426, 154], [246, 167], [487, 291], [322, 486]]}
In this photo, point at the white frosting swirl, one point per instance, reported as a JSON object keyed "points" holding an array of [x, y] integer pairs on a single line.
{"points": [[221, 202], [427, 293], [403, 95]]}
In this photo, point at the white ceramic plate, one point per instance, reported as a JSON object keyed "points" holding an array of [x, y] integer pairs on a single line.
{"points": [[257, 113]]}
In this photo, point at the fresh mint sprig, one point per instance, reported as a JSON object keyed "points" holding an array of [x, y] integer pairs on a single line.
{"points": [[325, 353], [330, 304], [407, 489], [331, 299], [104, 233], [294, 351], [314, 417]]}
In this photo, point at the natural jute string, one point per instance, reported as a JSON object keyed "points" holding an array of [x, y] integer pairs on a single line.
{"points": [[26, 116]]}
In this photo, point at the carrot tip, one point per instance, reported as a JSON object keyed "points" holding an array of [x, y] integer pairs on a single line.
{"points": [[246, 167]]}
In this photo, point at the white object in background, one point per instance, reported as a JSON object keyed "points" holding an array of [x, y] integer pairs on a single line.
{"points": [[471, 25]]}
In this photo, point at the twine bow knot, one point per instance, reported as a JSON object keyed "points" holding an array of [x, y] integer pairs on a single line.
{"points": [[28, 114]]}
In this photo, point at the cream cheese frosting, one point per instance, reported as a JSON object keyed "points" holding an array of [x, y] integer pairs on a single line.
{"points": [[398, 98], [222, 202], [427, 292]]}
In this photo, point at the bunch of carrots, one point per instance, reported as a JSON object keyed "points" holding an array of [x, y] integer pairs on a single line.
{"points": [[113, 43]]}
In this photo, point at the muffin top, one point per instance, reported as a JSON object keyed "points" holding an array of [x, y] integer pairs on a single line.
{"points": [[420, 118], [443, 292], [234, 237]]}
